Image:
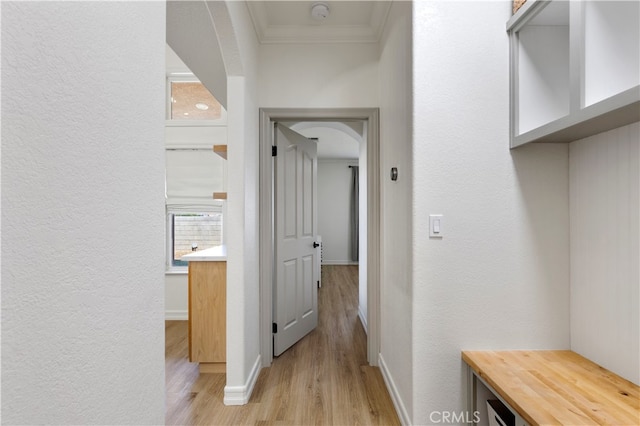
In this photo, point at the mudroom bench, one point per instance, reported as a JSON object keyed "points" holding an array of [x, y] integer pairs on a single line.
{"points": [[547, 388]]}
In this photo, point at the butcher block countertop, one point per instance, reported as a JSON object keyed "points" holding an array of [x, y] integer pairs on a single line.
{"points": [[558, 387]]}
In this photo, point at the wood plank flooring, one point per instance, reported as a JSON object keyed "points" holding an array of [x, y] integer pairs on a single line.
{"points": [[324, 379]]}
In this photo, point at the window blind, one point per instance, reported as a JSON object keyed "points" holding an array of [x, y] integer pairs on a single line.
{"points": [[192, 175]]}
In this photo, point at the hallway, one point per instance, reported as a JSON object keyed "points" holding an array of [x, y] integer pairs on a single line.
{"points": [[323, 379]]}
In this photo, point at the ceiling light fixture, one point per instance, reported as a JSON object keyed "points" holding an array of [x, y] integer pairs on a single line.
{"points": [[202, 107], [319, 11]]}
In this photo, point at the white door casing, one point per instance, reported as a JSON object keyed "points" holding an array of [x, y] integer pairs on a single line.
{"points": [[296, 227], [268, 116]]}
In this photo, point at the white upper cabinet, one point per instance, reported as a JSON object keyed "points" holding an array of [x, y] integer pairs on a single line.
{"points": [[575, 69]]}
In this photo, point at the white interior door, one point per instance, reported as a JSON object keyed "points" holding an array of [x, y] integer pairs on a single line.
{"points": [[295, 309]]}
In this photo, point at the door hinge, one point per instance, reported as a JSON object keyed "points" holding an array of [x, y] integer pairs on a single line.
{"points": [[274, 151], [274, 328], [318, 283]]}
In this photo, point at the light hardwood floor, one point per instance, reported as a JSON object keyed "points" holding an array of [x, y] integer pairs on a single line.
{"points": [[323, 379]]}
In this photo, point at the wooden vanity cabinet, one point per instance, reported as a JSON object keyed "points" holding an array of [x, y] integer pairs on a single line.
{"points": [[208, 315]]}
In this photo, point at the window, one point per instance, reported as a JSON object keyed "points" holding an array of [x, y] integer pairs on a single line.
{"points": [[190, 103], [195, 121], [189, 231], [193, 216]]}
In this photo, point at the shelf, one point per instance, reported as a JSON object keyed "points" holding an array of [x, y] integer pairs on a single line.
{"points": [[574, 69], [611, 48], [614, 112], [221, 150], [543, 64], [219, 195]]}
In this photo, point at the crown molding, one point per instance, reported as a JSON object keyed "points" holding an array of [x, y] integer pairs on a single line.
{"points": [[315, 34]]}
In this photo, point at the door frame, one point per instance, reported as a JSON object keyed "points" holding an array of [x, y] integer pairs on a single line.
{"points": [[268, 116]]}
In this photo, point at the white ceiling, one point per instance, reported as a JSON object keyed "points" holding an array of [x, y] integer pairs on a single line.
{"points": [[291, 21], [336, 140]]}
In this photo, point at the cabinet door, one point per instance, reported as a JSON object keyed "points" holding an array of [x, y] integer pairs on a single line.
{"points": [[207, 311]]}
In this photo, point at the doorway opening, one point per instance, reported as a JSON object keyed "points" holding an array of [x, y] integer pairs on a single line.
{"points": [[370, 118]]}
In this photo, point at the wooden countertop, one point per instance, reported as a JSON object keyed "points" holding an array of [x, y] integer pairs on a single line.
{"points": [[558, 387]]}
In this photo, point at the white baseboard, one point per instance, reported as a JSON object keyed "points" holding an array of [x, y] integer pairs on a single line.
{"points": [[239, 395], [176, 315], [339, 262], [363, 320], [393, 391]]}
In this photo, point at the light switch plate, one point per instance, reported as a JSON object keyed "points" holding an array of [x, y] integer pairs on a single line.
{"points": [[436, 229]]}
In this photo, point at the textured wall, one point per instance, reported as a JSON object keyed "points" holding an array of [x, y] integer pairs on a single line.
{"points": [[605, 235], [499, 279], [82, 177], [395, 145]]}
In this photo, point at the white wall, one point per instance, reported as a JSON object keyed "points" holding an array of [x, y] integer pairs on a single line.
{"points": [[499, 277], [605, 235], [176, 296], [395, 140], [334, 210], [322, 75], [240, 51], [83, 222]]}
